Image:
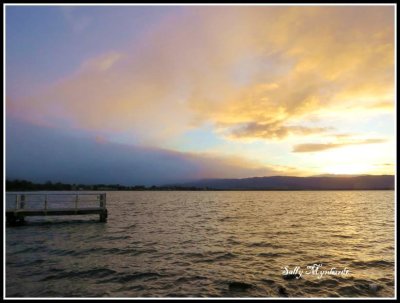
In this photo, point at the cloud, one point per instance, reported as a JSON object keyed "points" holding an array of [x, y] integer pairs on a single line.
{"points": [[102, 63], [383, 105], [343, 136], [274, 130], [40, 154], [316, 147], [78, 23], [257, 70], [384, 164]]}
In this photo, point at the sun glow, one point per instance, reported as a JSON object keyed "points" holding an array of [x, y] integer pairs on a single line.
{"points": [[350, 169]]}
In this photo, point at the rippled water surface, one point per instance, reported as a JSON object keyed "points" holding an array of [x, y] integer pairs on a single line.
{"points": [[209, 244]]}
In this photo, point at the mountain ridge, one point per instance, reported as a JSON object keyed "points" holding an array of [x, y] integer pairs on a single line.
{"points": [[342, 182]]}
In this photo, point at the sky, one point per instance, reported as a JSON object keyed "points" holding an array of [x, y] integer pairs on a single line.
{"points": [[162, 94]]}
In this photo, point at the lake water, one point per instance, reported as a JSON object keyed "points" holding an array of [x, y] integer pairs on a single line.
{"points": [[210, 244]]}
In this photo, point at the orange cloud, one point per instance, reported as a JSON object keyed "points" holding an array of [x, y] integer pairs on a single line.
{"points": [[259, 70], [274, 130], [315, 147]]}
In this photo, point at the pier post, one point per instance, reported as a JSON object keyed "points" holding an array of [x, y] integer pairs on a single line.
{"points": [[11, 219], [76, 203], [22, 202], [103, 200], [21, 218], [103, 215]]}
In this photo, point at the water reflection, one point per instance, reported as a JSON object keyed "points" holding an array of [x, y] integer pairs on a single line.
{"points": [[199, 243]]}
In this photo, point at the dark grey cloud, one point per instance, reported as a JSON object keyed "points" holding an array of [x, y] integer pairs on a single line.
{"points": [[40, 154]]}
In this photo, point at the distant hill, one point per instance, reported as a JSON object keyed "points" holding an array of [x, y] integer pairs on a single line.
{"points": [[367, 182]]}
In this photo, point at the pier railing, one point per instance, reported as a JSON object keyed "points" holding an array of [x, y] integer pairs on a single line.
{"points": [[16, 201], [19, 205]]}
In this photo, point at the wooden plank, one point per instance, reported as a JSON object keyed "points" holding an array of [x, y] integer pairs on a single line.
{"points": [[52, 194], [58, 212]]}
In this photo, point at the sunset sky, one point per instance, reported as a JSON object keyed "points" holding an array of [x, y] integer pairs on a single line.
{"points": [[158, 94]]}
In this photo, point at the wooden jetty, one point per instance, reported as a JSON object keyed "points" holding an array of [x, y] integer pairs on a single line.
{"points": [[21, 205]]}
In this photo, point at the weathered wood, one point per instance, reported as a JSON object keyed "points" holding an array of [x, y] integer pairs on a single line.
{"points": [[59, 212], [22, 210], [103, 216], [14, 219]]}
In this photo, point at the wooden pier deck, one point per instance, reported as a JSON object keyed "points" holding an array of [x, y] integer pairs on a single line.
{"points": [[19, 206]]}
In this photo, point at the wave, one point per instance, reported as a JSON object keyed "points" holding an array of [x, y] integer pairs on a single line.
{"points": [[271, 254], [218, 256], [190, 279], [30, 250], [239, 286], [102, 251], [92, 273], [350, 291], [113, 238], [124, 278], [263, 244], [372, 263], [343, 236], [210, 256]]}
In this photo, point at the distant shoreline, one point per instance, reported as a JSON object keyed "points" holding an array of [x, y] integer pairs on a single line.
{"points": [[195, 190], [278, 183]]}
